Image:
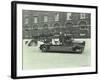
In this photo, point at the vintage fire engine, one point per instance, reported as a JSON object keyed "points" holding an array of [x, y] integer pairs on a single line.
{"points": [[62, 44]]}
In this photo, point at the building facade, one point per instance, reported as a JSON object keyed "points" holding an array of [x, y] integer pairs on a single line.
{"points": [[39, 23]]}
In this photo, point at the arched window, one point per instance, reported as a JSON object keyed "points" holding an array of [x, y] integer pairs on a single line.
{"points": [[83, 25], [35, 27], [56, 25], [34, 31], [84, 30], [69, 27], [45, 26]]}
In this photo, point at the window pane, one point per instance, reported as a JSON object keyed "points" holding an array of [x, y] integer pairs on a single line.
{"points": [[45, 18], [82, 16], [57, 17], [26, 21], [35, 20], [69, 16]]}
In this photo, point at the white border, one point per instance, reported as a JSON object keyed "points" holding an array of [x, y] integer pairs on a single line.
{"points": [[21, 72]]}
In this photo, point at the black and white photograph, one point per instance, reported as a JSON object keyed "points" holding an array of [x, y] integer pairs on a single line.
{"points": [[54, 39], [59, 35]]}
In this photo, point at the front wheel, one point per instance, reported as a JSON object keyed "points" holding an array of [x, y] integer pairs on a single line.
{"points": [[78, 49]]}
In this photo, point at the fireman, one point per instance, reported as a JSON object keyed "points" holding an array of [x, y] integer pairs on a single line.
{"points": [[67, 39], [61, 38]]}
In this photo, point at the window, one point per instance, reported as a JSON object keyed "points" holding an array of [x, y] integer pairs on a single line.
{"points": [[82, 16], [26, 21], [57, 17], [83, 28], [69, 16], [45, 18], [82, 34], [35, 27], [83, 25], [35, 19]]}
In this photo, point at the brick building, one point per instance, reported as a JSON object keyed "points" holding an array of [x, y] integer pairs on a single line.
{"points": [[37, 23]]}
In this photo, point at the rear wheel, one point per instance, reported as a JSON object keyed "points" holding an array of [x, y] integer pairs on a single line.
{"points": [[44, 48]]}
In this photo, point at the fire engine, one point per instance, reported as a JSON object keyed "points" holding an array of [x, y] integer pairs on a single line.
{"points": [[62, 44]]}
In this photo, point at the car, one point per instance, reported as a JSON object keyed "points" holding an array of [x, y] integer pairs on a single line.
{"points": [[66, 46]]}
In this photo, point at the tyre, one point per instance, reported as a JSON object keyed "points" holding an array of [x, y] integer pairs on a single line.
{"points": [[77, 49], [44, 48], [83, 43]]}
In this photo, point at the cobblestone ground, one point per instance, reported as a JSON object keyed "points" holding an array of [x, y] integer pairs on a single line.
{"points": [[33, 58]]}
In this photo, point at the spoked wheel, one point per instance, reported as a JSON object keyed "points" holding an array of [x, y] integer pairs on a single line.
{"points": [[44, 48], [78, 49]]}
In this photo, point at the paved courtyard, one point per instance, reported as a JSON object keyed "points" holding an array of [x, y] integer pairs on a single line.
{"points": [[33, 58]]}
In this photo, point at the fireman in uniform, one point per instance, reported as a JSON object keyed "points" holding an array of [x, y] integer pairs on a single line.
{"points": [[61, 37], [65, 39]]}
